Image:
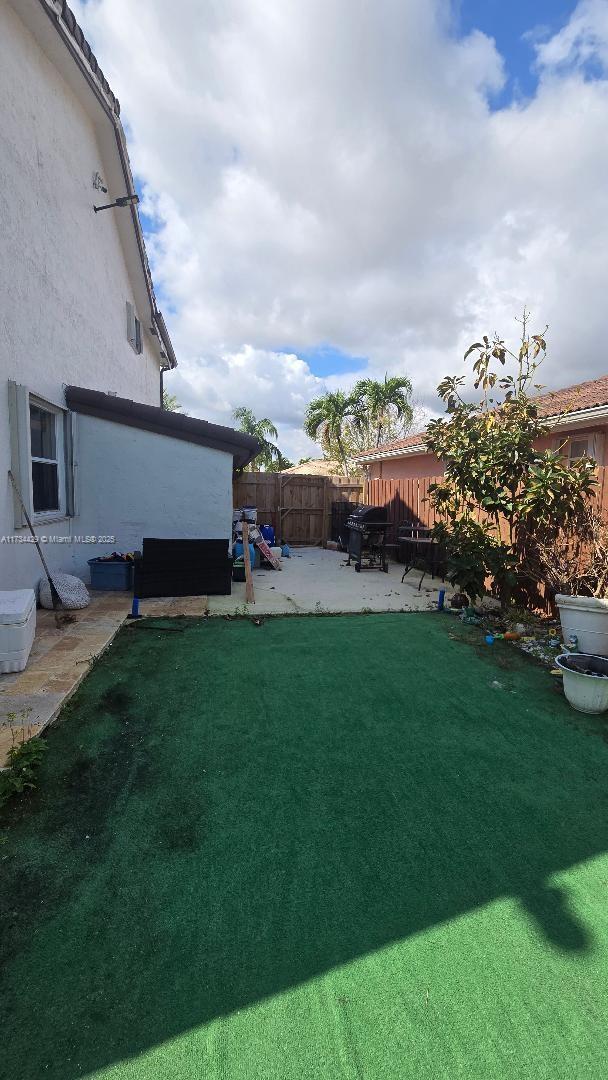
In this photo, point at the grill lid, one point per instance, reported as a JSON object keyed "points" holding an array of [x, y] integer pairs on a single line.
{"points": [[367, 517]]}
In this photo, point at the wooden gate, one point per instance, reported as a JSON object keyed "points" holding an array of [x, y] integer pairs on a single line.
{"points": [[297, 505]]}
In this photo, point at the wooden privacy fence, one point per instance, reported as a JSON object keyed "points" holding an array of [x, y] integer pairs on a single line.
{"points": [[296, 504], [406, 501]]}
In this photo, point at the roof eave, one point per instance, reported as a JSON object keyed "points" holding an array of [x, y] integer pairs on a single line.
{"points": [[380, 455], [64, 22], [578, 416], [116, 410], [558, 420]]}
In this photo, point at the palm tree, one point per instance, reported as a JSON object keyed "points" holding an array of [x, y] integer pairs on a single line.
{"points": [[263, 430], [378, 405], [326, 422]]}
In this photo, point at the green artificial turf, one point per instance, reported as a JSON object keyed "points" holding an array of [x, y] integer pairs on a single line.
{"points": [[355, 847]]}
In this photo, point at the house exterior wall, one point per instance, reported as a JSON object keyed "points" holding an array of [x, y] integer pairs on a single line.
{"points": [[129, 484], [64, 282], [597, 436], [420, 466], [63, 275], [409, 467], [133, 483]]}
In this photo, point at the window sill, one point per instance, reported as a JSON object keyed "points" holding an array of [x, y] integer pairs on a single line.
{"points": [[48, 519]]}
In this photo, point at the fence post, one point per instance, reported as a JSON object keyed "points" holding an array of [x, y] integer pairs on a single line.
{"points": [[327, 489], [278, 522]]}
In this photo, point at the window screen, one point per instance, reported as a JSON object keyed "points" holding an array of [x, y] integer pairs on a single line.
{"points": [[45, 467]]}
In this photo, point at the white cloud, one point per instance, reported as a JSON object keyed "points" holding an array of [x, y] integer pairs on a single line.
{"points": [[583, 39], [334, 173]]}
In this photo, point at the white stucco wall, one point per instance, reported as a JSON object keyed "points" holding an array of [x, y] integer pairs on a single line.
{"points": [[131, 484], [63, 273]]}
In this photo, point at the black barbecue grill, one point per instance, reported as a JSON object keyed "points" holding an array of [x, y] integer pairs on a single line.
{"points": [[367, 527]]}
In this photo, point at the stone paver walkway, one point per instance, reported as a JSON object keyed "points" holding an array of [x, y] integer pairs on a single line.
{"points": [[60, 658]]}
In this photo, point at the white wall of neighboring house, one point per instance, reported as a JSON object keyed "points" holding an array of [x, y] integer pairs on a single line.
{"points": [[64, 280]]}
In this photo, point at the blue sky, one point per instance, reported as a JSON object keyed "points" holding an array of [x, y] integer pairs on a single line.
{"points": [[327, 360], [385, 206], [514, 24]]}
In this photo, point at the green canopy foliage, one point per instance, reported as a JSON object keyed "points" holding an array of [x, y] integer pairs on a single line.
{"points": [[500, 493], [347, 424], [264, 431]]}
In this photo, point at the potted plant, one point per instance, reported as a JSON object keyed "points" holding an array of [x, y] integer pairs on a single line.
{"points": [[575, 567], [585, 681]]}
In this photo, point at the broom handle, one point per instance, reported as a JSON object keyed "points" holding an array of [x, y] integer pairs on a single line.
{"points": [[54, 594]]}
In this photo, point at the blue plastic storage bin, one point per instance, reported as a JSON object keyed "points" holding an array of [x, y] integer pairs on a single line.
{"points": [[267, 532], [239, 551], [111, 575]]}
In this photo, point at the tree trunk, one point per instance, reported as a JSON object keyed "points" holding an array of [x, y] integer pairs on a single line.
{"points": [[342, 456]]}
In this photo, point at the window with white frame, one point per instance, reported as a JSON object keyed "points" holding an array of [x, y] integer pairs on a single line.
{"points": [[577, 446], [42, 455], [134, 329], [46, 450]]}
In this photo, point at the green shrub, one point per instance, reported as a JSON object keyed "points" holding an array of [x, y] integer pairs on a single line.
{"points": [[23, 760]]}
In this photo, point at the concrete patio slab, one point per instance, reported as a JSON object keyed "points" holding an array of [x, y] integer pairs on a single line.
{"points": [[315, 580]]}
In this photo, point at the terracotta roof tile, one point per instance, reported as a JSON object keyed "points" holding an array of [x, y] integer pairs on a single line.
{"points": [[585, 395]]}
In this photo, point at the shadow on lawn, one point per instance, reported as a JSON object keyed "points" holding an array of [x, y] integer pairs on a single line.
{"points": [[191, 852]]}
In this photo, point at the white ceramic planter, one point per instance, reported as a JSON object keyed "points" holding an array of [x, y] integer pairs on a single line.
{"points": [[587, 618], [586, 693]]}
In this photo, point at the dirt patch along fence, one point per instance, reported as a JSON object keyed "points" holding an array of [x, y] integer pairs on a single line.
{"points": [[299, 506]]}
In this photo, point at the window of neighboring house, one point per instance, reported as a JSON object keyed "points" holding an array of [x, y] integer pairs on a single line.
{"points": [[46, 445], [134, 329], [579, 446]]}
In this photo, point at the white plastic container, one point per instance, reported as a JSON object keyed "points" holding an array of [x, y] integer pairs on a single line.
{"points": [[17, 628], [586, 693], [587, 618]]}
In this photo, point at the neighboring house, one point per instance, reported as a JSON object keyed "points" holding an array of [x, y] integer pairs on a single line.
{"points": [[316, 467], [577, 416], [83, 345]]}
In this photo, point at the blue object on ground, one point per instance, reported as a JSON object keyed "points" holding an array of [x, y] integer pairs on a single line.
{"points": [[134, 612], [489, 639], [285, 552], [267, 532], [111, 574], [441, 600], [239, 551]]}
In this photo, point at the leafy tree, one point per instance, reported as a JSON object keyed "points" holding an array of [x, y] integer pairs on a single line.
{"points": [[382, 410], [279, 464], [492, 464], [263, 430], [326, 421], [170, 403]]}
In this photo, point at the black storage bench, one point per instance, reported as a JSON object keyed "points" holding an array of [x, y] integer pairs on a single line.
{"points": [[182, 568]]}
